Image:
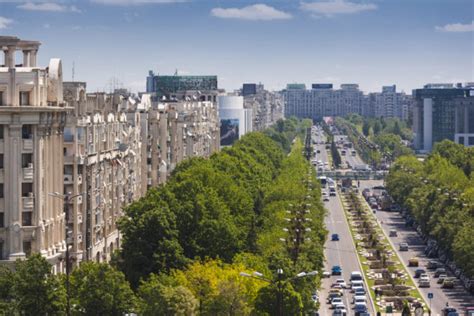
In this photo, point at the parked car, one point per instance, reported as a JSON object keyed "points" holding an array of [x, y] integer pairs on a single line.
{"points": [[441, 278], [448, 283], [403, 246], [439, 271], [424, 281], [335, 237], [413, 262], [393, 233], [419, 272], [432, 265], [326, 274]]}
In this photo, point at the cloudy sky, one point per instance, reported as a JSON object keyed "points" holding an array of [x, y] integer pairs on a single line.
{"points": [[370, 42]]}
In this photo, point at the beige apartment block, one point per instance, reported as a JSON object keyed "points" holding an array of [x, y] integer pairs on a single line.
{"points": [[102, 161], [32, 118]]}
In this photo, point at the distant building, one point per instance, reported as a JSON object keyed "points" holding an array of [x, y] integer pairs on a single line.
{"points": [[235, 120], [322, 100], [182, 88], [267, 107], [442, 111], [388, 104], [32, 118]]}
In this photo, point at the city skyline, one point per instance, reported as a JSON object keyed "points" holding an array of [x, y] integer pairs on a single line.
{"points": [[273, 42]]}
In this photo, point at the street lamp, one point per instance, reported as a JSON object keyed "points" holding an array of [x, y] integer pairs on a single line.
{"points": [[66, 200]]}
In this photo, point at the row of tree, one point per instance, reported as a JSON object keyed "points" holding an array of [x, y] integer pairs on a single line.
{"points": [[439, 193]]}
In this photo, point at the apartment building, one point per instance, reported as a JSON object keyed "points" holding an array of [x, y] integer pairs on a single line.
{"points": [[102, 168], [32, 118], [322, 100], [389, 104], [267, 107]]}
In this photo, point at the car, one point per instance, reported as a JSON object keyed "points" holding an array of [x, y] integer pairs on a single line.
{"points": [[342, 283], [448, 283], [333, 295], [356, 275], [439, 271], [432, 265], [359, 292], [326, 274], [318, 151], [336, 286], [403, 246], [441, 278], [393, 233], [326, 198], [413, 262], [336, 301], [419, 272], [335, 237], [424, 281], [340, 308], [359, 299], [356, 285], [360, 308], [336, 270], [449, 311]]}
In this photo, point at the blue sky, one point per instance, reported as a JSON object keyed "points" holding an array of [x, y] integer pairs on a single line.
{"points": [[370, 42]]}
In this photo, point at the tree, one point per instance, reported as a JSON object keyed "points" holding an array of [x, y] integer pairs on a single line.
{"points": [[99, 289], [366, 128], [377, 128], [267, 300], [36, 290], [159, 298], [6, 290]]}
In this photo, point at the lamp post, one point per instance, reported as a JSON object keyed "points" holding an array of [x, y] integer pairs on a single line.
{"points": [[279, 282], [66, 201]]}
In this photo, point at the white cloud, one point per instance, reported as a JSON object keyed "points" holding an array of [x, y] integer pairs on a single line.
{"points": [[333, 7], [135, 2], [456, 27], [48, 7], [252, 12], [4, 22]]}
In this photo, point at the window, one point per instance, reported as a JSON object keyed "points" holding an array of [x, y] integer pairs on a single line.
{"points": [[26, 189], [1, 98], [26, 160], [1, 131], [471, 141], [68, 134], [1, 250], [27, 132], [24, 98], [1, 190], [2, 220], [1, 161], [27, 248], [26, 218]]}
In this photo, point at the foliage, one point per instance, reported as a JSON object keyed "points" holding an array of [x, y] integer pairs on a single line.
{"points": [[35, 290], [267, 304], [439, 195], [99, 289]]}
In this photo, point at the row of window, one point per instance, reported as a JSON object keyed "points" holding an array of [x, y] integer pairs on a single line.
{"points": [[26, 131], [26, 190], [24, 98], [26, 219]]}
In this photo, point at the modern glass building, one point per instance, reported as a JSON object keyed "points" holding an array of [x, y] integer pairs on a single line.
{"points": [[443, 112]]}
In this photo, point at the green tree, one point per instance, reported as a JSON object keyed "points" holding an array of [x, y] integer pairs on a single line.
{"points": [[159, 298], [366, 128], [267, 300], [377, 128], [99, 289], [6, 290], [36, 290]]}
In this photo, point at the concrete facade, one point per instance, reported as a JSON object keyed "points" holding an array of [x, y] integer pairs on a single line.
{"points": [[32, 118], [267, 107]]}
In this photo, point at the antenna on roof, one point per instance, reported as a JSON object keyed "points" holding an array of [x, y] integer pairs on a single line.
{"points": [[73, 70], [176, 72]]}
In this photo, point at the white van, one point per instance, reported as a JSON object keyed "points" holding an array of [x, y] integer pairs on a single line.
{"points": [[356, 276]]}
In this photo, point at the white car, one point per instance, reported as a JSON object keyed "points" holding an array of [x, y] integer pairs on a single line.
{"points": [[340, 309], [336, 301], [326, 274], [356, 284], [359, 299], [342, 283]]}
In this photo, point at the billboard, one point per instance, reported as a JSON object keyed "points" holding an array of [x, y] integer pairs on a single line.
{"points": [[229, 131]]}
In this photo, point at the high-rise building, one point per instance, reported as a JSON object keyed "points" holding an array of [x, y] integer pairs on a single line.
{"points": [[442, 111], [322, 100], [388, 104], [32, 118], [183, 88]]}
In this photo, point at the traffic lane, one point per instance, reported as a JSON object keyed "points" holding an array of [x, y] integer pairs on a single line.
{"points": [[457, 297], [342, 252]]}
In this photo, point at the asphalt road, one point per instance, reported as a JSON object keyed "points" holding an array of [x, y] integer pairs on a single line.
{"points": [[457, 297], [342, 252]]}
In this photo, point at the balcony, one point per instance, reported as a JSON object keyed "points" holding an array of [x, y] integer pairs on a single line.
{"points": [[28, 173], [28, 201], [27, 144]]}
